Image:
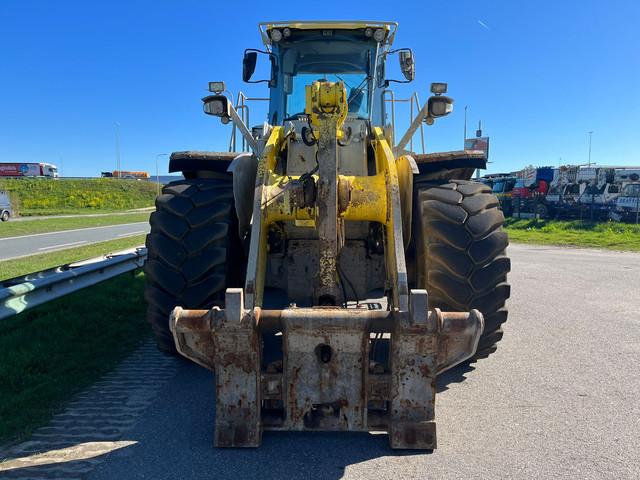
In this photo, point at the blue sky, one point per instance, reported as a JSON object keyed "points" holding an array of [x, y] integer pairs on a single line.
{"points": [[538, 74]]}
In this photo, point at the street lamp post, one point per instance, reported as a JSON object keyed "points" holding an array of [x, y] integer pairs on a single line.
{"points": [[117, 125], [464, 139], [157, 174], [590, 133]]}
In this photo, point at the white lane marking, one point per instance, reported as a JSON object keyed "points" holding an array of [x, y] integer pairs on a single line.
{"points": [[132, 233], [74, 230], [63, 245], [31, 254]]}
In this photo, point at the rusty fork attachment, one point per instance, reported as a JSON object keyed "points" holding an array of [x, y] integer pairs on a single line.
{"points": [[326, 379]]}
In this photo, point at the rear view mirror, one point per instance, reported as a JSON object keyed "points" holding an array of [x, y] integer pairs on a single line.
{"points": [[407, 65], [249, 65]]}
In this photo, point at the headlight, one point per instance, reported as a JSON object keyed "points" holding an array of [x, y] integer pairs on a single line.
{"points": [[276, 35], [439, 88], [215, 107], [379, 35], [217, 87]]}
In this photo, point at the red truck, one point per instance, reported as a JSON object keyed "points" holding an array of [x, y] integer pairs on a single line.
{"points": [[530, 190], [28, 170]]}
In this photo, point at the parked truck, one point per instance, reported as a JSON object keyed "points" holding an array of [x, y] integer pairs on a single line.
{"points": [[568, 183], [627, 206], [530, 189], [126, 174], [503, 190], [600, 196], [15, 169]]}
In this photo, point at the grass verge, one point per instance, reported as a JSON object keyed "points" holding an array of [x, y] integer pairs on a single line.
{"points": [[41, 196], [14, 229], [607, 235], [50, 212], [42, 261], [53, 351]]}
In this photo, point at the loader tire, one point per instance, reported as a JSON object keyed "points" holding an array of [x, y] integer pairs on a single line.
{"points": [[460, 253], [194, 252]]}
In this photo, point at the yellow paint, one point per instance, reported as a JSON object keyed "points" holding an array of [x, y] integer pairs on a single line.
{"points": [[326, 101], [369, 197], [329, 25], [266, 165], [386, 163], [271, 149], [305, 223], [368, 200]]}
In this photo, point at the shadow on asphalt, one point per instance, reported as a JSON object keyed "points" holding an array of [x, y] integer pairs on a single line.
{"points": [[174, 439], [454, 375]]}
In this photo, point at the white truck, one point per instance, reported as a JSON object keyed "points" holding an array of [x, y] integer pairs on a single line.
{"points": [[599, 198], [568, 184], [627, 204], [17, 169]]}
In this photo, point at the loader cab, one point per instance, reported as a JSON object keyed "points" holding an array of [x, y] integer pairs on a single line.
{"points": [[354, 53], [333, 55]]}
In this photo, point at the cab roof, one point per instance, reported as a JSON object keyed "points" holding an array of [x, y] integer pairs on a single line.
{"points": [[389, 27]]}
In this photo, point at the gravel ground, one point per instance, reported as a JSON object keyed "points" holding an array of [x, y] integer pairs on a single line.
{"points": [[558, 400]]}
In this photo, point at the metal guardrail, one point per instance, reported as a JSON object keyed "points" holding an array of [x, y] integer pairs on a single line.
{"points": [[21, 293]]}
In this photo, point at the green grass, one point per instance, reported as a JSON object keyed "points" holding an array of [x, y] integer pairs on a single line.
{"points": [[53, 351], [50, 212], [607, 235], [13, 229], [38, 196], [42, 261]]}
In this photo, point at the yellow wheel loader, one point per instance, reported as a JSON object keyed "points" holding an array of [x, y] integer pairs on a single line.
{"points": [[324, 270]]}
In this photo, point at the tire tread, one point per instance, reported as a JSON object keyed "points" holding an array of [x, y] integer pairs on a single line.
{"points": [[461, 253], [193, 251]]}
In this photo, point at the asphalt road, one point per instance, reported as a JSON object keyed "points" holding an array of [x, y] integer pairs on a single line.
{"points": [[560, 399], [15, 247]]}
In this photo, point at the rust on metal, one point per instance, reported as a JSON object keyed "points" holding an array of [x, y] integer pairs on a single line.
{"points": [[327, 379]]}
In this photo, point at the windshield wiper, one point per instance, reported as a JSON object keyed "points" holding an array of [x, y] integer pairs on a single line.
{"points": [[343, 81], [355, 92]]}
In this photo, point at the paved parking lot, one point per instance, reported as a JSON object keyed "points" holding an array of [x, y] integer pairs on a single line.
{"points": [[560, 399]]}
